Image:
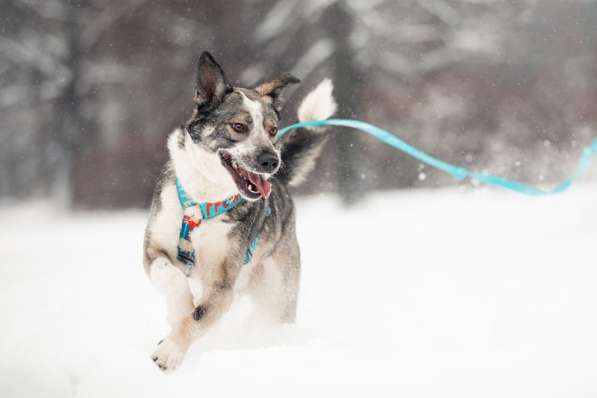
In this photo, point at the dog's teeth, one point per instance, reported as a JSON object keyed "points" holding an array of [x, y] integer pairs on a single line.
{"points": [[252, 188]]}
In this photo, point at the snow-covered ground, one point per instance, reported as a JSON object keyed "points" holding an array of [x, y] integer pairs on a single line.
{"points": [[423, 294]]}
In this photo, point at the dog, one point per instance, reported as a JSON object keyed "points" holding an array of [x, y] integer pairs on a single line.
{"points": [[238, 234]]}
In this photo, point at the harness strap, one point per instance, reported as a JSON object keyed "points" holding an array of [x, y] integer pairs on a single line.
{"points": [[194, 214]]}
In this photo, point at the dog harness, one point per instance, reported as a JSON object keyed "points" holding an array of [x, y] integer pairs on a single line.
{"points": [[195, 213]]}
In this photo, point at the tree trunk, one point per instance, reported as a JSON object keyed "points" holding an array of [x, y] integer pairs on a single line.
{"points": [[339, 24], [76, 133]]}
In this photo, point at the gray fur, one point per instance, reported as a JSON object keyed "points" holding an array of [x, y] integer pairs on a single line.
{"points": [[181, 139], [212, 130], [300, 151]]}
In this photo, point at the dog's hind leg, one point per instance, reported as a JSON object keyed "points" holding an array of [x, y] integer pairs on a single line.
{"points": [[287, 260], [275, 285]]}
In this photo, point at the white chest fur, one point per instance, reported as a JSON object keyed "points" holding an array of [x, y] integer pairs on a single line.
{"points": [[210, 241]]}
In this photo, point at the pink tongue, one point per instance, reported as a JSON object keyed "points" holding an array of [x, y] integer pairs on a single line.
{"points": [[263, 186]]}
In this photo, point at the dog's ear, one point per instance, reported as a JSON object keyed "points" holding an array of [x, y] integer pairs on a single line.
{"points": [[211, 83], [274, 88]]}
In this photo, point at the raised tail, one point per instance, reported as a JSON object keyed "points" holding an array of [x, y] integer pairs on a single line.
{"points": [[300, 149]]}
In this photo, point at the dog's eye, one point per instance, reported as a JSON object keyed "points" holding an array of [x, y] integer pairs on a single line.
{"points": [[239, 127], [273, 131]]}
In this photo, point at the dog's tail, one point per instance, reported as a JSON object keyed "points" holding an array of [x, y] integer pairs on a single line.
{"points": [[300, 149]]}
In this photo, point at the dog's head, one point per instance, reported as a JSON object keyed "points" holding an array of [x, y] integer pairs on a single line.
{"points": [[234, 129]]}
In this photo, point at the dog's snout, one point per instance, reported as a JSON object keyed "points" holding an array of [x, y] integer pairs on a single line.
{"points": [[268, 161]]}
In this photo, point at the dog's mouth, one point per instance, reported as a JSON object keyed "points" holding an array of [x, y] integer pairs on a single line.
{"points": [[251, 185]]}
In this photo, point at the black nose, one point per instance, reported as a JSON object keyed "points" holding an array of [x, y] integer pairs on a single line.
{"points": [[268, 161]]}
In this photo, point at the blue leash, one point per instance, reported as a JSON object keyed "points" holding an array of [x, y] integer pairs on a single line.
{"points": [[458, 173]]}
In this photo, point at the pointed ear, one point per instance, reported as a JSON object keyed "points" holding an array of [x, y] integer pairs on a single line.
{"points": [[211, 83], [275, 87]]}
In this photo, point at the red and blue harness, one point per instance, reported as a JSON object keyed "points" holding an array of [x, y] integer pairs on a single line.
{"points": [[194, 214]]}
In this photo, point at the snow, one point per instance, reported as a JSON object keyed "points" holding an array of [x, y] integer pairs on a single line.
{"points": [[443, 293]]}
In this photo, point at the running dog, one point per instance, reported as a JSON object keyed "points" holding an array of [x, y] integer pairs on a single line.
{"points": [[222, 220]]}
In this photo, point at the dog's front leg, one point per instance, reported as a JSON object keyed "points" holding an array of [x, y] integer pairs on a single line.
{"points": [[215, 302], [170, 280]]}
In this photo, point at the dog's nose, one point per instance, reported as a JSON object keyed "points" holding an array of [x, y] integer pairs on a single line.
{"points": [[268, 161]]}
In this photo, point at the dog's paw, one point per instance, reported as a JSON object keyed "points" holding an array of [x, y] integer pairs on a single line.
{"points": [[169, 355], [164, 276]]}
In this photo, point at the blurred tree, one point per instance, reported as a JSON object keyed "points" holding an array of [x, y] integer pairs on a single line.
{"points": [[56, 43], [339, 22], [89, 90]]}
